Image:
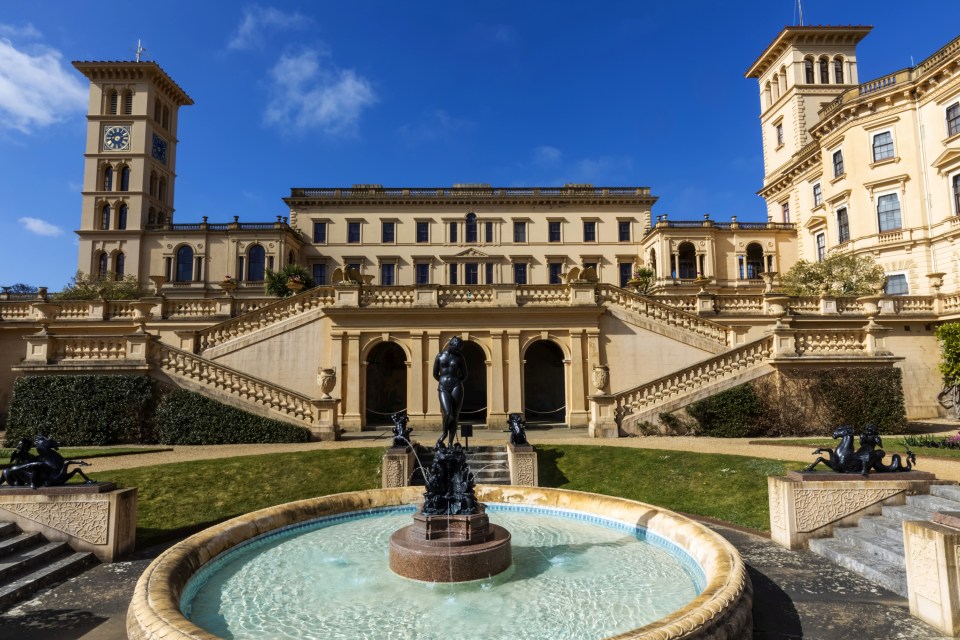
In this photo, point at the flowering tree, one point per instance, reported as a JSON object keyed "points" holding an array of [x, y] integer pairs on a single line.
{"points": [[840, 274]]}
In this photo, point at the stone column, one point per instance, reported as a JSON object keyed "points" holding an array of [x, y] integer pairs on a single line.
{"points": [[352, 420], [514, 373], [418, 380], [434, 415], [577, 402], [496, 411]]}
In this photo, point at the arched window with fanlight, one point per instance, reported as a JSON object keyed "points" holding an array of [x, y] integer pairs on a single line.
{"points": [[838, 70], [120, 263], [122, 216], [184, 264], [686, 268], [128, 102], [125, 179], [824, 71], [108, 178], [105, 217], [103, 265], [470, 229], [653, 261], [114, 101], [808, 76], [754, 260], [256, 262]]}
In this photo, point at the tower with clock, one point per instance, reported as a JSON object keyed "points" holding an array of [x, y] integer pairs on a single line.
{"points": [[129, 165]]}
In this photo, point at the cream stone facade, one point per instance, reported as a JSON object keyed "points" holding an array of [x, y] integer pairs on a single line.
{"points": [[535, 280]]}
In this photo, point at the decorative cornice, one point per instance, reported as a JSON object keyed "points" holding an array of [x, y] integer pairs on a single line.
{"points": [[820, 34], [97, 71], [445, 196]]}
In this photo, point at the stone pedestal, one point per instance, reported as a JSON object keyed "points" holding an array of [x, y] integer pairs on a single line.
{"points": [[603, 421], [933, 576], [397, 467], [325, 427], [450, 548], [522, 460], [98, 517], [805, 505]]}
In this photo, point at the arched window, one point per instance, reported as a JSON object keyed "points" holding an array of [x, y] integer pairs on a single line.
{"points": [[162, 190], [103, 266], [166, 117], [767, 95], [824, 71], [153, 184], [808, 70], [105, 217], [783, 80], [151, 216], [122, 217], [838, 70], [128, 102], [776, 87], [114, 100], [184, 264], [754, 260], [125, 179], [686, 261], [108, 178], [255, 263], [653, 261], [470, 231], [290, 259], [120, 262]]}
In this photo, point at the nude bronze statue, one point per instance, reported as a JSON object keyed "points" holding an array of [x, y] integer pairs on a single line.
{"points": [[450, 370]]}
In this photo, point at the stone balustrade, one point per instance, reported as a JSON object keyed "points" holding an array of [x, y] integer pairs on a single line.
{"points": [[543, 295], [664, 313], [90, 348], [830, 342]]}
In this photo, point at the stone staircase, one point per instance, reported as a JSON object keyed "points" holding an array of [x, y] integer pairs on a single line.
{"points": [[29, 562], [488, 463], [874, 548]]}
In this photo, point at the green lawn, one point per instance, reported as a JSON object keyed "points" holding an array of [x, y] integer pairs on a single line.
{"points": [[175, 500], [85, 453]]}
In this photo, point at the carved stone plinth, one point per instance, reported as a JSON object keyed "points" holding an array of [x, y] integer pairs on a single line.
{"points": [[810, 505], [933, 576], [97, 517], [450, 548], [522, 460], [326, 425], [397, 467]]}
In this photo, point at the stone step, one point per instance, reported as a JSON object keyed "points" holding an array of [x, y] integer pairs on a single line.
{"points": [[872, 568], [30, 559], [906, 512], [948, 491], [883, 526], [19, 541], [8, 528], [933, 504], [887, 549], [45, 576]]}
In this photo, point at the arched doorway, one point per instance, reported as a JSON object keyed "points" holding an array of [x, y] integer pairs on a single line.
{"points": [[386, 383], [544, 383], [474, 408], [754, 260], [686, 261]]}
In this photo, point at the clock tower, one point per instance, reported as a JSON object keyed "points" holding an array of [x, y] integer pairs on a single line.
{"points": [[129, 164]]}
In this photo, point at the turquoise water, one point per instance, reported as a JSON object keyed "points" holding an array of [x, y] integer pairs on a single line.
{"points": [[573, 576]]}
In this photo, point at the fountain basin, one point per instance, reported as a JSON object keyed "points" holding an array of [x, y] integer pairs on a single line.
{"points": [[721, 610]]}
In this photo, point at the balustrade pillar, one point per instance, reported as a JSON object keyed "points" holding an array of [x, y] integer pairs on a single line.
{"points": [[828, 305], [137, 346], [583, 294], [603, 423], [874, 343], [97, 309], [784, 340], [346, 295], [504, 295], [325, 425]]}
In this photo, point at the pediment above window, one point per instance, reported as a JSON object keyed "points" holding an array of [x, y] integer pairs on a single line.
{"points": [[947, 160]]}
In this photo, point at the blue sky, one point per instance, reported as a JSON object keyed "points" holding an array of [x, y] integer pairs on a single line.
{"points": [[413, 94]]}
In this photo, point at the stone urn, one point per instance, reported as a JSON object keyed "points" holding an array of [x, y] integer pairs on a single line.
{"points": [[601, 376], [229, 285], [702, 282], [142, 311], [295, 285], [769, 280], [45, 312], [871, 305], [327, 379], [158, 282]]}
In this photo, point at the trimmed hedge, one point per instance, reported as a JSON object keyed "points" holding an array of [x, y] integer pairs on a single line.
{"points": [[734, 413], [184, 417], [82, 410]]}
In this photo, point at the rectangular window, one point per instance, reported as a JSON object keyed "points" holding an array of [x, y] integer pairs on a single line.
{"points": [[817, 195], [488, 267], [388, 232], [319, 273], [821, 247], [956, 195], [808, 71], [589, 231], [320, 232], [779, 134], [838, 71], [843, 225], [625, 271], [520, 273], [453, 273], [953, 119], [838, 163], [553, 231], [388, 272], [453, 232], [471, 273], [519, 231], [422, 272], [353, 232], [623, 231], [888, 212], [423, 232], [785, 211], [488, 232], [555, 269], [896, 285], [882, 146], [824, 71], [470, 231]]}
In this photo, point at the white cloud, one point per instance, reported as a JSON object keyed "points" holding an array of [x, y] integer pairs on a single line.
{"points": [[27, 31], [309, 94], [550, 165], [40, 227], [436, 125], [547, 156], [256, 20], [35, 88]]}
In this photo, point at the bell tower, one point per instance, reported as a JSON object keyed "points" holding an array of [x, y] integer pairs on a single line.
{"points": [[129, 163]]}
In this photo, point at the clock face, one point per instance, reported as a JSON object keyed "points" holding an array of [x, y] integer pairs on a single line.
{"points": [[116, 138], [159, 149]]}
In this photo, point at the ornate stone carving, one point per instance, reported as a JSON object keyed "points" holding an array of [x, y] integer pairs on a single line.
{"points": [[327, 379], [601, 376], [816, 508], [923, 556], [393, 475], [525, 471], [85, 520], [777, 520]]}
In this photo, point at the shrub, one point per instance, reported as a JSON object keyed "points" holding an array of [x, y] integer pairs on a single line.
{"points": [[840, 274], [276, 284], [82, 410], [184, 417], [949, 337], [734, 413], [91, 287]]}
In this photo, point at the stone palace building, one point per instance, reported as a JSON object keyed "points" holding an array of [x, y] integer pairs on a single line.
{"points": [[535, 280]]}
